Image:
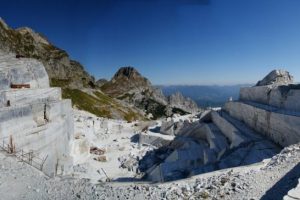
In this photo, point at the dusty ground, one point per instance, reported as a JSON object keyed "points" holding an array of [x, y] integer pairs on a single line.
{"points": [[271, 179], [267, 181]]}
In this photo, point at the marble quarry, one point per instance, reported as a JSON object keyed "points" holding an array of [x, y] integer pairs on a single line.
{"points": [[36, 125], [265, 119]]}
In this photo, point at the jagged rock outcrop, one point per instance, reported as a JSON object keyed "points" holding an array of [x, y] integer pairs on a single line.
{"points": [[177, 100], [280, 77], [129, 85], [26, 42], [127, 81], [101, 82]]}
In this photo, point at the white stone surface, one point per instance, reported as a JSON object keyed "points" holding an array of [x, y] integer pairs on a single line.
{"points": [[283, 129], [21, 71], [29, 96], [37, 119], [285, 97], [232, 133]]}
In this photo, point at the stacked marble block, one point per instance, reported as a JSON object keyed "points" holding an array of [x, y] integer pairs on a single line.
{"points": [[272, 110], [36, 119], [218, 142]]}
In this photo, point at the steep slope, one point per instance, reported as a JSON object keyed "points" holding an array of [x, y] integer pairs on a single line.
{"points": [[98, 103], [130, 86], [28, 43]]}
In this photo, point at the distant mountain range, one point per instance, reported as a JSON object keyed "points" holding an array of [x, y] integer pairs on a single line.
{"points": [[206, 95]]}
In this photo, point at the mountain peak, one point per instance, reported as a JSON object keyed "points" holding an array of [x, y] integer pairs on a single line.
{"points": [[128, 72]]}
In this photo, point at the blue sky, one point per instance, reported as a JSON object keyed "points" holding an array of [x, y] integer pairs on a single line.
{"points": [[170, 41]]}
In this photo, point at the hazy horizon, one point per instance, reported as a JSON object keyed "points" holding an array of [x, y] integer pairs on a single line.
{"points": [[171, 42]]}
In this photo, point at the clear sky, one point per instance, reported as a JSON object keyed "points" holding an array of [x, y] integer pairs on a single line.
{"points": [[170, 41]]}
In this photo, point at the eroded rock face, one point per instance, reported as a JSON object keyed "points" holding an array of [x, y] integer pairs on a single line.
{"points": [[177, 100], [279, 77]]}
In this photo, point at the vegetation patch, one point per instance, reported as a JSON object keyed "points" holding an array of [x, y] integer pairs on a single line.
{"points": [[101, 105], [127, 96], [157, 109], [59, 82], [179, 111], [86, 102]]}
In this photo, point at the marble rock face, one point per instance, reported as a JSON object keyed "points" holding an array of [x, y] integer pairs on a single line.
{"points": [[35, 118], [280, 96], [21, 71], [281, 127]]}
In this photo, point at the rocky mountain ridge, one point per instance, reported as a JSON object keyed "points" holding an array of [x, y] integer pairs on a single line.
{"points": [[130, 86]]}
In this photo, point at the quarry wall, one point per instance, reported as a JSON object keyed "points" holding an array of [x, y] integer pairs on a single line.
{"points": [[282, 127], [34, 120]]}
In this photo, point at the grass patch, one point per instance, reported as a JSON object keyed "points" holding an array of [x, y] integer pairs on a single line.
{"points": [[101, 105], [59, 82], [86, 102]]}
